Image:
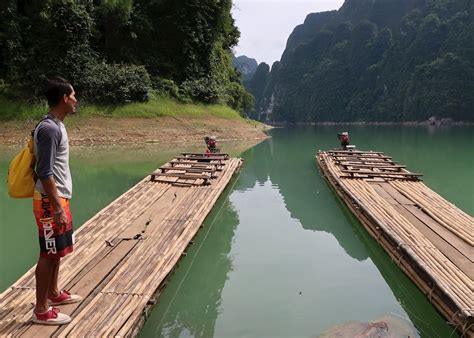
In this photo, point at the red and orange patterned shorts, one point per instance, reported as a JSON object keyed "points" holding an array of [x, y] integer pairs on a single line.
{"points": [[55, 241]]}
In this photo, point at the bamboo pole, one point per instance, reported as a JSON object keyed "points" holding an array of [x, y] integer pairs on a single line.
{"points": [[461, 225], [405, 224]]}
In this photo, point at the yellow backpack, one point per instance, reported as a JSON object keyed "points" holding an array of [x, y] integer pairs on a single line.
{"points": [[21, 171]]}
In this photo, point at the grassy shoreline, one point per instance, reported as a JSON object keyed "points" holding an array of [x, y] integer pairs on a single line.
{"points": [[161, 120], [157, 106]]}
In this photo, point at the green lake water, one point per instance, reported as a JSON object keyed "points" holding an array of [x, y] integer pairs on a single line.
{"points": [[280, 255]]}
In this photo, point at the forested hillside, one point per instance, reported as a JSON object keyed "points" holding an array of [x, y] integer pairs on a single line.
{"points": [[374, 60], [116, 51]]}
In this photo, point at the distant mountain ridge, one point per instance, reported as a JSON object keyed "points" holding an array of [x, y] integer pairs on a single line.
{"points": [[245, 65], [374, 60]]}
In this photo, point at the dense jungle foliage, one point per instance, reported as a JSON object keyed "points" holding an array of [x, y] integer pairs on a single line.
{"points": [[374, 60], [116, 51]]}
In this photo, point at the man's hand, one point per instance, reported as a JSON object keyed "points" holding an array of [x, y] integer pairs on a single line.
{"points": [[60, 218]]}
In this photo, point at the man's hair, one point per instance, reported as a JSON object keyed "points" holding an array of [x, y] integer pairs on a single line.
{"points": [[56, 88]]}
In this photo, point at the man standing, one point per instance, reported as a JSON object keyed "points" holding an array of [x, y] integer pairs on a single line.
{"points": [[53, 191]]}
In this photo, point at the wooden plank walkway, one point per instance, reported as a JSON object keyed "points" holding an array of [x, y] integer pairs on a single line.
{"points": [[430, 239], [124, 254]]}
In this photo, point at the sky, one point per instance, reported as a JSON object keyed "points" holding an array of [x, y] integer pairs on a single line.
{"points": [[266, 24]]}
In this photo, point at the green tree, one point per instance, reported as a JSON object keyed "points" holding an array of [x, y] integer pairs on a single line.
{"points": [[123, 46]]}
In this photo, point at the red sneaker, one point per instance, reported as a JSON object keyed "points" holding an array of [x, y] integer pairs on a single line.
{"points": [[64, 297], [51, 317]]}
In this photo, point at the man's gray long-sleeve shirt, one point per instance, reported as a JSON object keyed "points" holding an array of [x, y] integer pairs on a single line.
{"points": [[51, 147]]}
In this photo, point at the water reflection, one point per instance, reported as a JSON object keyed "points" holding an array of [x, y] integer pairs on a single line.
{"points": [[292, 169], [309, 199], [191, 307], [307, 196]]}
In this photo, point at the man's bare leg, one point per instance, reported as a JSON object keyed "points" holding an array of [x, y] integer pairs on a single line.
{"points": [[53, 290], [43, 273]]}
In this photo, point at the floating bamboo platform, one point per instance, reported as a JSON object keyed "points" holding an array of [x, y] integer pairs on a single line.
{"points": [[124, 253], [430, 239]]}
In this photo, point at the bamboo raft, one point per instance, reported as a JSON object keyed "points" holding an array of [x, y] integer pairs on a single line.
{"points": [[124, 254], [430, 239]]}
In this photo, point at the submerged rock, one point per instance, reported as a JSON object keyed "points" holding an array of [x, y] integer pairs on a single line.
{"points": [[386, 327]]}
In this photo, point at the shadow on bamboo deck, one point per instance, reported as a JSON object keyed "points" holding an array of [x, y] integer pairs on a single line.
{"points": [[124, 253], [430, 239]]}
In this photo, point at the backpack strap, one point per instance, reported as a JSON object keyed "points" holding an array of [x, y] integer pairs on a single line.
{"points": [[34, 129], [48, 116], [32, 142]]}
